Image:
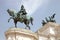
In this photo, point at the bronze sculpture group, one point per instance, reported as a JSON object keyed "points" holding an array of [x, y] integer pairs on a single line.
{"points": [[20, 16], [49, 19]]}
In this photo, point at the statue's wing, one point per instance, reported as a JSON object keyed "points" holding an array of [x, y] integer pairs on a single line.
{"points": [[46, 19], [43, 22], [53, 15], [11, 12]]}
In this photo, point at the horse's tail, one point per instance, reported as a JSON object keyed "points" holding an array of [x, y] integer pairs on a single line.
{"points": [[31, 19]]}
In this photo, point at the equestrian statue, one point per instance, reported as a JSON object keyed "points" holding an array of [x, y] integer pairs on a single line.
{"points": [[20, 16]]}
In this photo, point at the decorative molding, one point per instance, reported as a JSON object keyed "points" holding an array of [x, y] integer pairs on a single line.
{"points": [[21, 31]]}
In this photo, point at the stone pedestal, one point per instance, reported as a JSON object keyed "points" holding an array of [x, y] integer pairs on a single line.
{"points": [[20, 34]]}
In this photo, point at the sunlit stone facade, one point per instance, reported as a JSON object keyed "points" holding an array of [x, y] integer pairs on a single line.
{"points": [[20, 34], [50, 31]]}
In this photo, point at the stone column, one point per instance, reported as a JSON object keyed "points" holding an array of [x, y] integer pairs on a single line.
{"points": [[20, 34]]}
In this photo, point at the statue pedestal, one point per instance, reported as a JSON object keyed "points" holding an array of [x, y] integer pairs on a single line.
{"points": [[20, 34]]}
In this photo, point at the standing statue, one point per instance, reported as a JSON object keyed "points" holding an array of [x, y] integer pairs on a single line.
{"points": [[50, 19], [20, 16]]}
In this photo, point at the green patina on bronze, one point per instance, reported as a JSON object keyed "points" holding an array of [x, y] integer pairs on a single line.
{"points": [[20, 16]]}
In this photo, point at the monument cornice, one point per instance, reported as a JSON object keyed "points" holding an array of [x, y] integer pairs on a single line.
{"points": [[21, 31]]}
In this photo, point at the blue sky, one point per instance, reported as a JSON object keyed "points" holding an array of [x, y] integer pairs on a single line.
{"points": [[45, 10]]}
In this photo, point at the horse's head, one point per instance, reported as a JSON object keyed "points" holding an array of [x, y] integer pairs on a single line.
{"points": [[13, 16], [10, 11]]}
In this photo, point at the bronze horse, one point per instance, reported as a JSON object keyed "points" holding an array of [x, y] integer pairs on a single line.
{"points": [[20, 16]]}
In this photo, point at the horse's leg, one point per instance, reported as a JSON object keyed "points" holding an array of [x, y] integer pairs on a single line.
{"points": [[28, 27], [10, 18], [27, 24], [15, 24], [31, 20]]}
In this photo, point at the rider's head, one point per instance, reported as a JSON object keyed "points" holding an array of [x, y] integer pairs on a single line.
{"points": [[22, 7]]}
